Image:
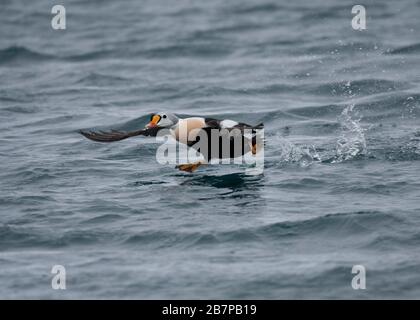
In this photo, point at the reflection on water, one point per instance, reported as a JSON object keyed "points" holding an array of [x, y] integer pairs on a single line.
{"points": [[244, 189], [233, 181]]}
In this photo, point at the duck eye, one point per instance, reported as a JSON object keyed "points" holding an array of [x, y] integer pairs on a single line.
{"points": [[164, 116]]}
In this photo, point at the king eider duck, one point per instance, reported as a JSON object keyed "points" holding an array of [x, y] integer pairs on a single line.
{"points": [[188, 131]]}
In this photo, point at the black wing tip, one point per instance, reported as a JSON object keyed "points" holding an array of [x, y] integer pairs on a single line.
{"points": [[91, 135], [104, 136], [83, 132]]}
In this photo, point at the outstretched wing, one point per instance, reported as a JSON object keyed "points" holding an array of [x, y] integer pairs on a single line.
{"points": [[114, 135]]}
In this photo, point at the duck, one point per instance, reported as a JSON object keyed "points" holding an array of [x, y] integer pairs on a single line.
{"points": [[190, 131]]}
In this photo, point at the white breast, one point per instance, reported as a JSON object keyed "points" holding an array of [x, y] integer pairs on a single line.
{"points": [[185, 128], [228, 123]]}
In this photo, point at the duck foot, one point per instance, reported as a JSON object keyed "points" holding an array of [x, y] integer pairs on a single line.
{"points": [[254, 149], [189, 167]]}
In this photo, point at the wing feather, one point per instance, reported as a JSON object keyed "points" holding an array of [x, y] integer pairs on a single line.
{"points": [[115, 135]]}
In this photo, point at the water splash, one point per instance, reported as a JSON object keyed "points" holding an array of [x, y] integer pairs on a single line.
{"points": [[410, 108], [292, 153], [352, 141]]}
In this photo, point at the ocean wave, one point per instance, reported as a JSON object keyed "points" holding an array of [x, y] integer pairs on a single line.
{"points": [[357, 88], [98, 79], [21, 236], [385, 188], [47, 121], [316, 111], [408, 151], [351, 223], [410, 49], [331, 12], [165, 239], [93, 55], [331, 225], [31, 175], [28, 200], [322, 46], [392, 107], [13, 95], [104, 218], [189, 49], [395, 240], [22, 54], [388, 105], [254, 8], [132, 152], [19, 109], [301, 183]]}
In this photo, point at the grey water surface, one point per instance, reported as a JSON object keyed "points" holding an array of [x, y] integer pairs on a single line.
{"points": [[341, 183]]}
